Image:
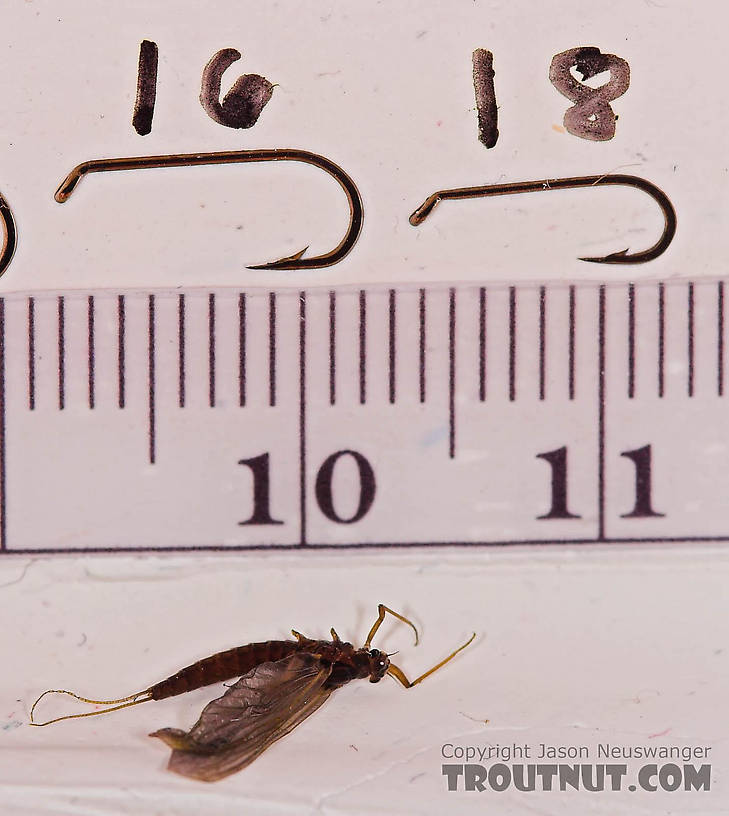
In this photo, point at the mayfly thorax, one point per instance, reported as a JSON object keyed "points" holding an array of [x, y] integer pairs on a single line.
{"points": [[281, 683]]}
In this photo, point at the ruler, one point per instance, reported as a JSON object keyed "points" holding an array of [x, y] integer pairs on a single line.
{"points": [[464, 415]]}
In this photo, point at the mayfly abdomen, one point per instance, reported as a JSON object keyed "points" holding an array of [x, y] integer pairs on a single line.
{"points": [[222, 666]]}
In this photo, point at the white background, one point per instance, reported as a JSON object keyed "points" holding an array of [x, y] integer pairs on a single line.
{"points": [[576, 646]]}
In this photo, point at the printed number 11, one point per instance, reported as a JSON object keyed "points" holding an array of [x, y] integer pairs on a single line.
{"points": [[641, 458]]}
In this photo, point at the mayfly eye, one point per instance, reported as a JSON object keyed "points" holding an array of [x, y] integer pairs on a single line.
{"points": [[375, 653]]}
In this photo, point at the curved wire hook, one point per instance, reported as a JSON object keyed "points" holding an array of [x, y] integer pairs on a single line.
{"points": [[295, 261], [10, 237], [622, 257]]}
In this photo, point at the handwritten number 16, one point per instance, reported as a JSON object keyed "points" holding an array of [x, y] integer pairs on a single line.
{"points": [[240, 107]]}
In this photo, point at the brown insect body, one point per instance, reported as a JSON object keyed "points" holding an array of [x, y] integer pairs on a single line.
{"points": [[348, 663], [282, 682]]}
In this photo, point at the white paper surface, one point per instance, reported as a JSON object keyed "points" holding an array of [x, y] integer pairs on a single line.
{"points": [[615, 645]]}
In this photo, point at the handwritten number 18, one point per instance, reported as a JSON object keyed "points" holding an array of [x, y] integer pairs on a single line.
{"points": [[591, 117]]}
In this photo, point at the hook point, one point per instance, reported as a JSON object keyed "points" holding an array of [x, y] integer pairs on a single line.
{"points": [[289, 262], [613, 258]]}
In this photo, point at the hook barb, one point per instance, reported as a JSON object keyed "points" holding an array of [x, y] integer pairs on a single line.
{"points": [[622, 257], [295, 261]]}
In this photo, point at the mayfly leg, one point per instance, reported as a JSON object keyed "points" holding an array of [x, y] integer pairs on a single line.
{"points": [[399, 675], [381, 609]]}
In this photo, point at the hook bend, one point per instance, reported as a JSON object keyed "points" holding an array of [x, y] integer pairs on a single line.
{"points": [[10, 235], [624, 256], [295, 261]]}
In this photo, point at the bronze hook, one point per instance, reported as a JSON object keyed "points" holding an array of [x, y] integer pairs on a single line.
{"points": [[622, 257], [10, 238], [294, 261]]}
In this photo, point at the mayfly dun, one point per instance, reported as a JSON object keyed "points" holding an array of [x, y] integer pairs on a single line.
{"points": [[282, 683]]}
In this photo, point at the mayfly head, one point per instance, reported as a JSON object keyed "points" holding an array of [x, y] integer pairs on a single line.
{"points": [[379, 663]]}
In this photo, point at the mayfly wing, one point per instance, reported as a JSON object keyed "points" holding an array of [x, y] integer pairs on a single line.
{"points": [[263, 706]]}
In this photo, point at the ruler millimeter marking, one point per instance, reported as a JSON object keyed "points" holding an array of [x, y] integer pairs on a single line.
{"points": [[464, 415]]}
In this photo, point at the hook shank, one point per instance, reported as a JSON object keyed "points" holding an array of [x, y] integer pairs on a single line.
{"points": [[295, 261], [621, 257]]}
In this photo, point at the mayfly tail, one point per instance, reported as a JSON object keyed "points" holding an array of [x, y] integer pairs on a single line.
{"points": [[122, 702]]}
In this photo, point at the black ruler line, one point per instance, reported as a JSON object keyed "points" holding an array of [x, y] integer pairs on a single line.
{"points": [[542, 341], [181, 350], [571, 343], [482, 343], [272, 349], [91, 352], [31, 353], [452, 373], [3, 435], [422, 324], [121, 351], [151, 382], [602, 308], [61, 353], [392, 306], [242, 349], [362, 347], [720, 339], [332, 347], [302, 418], [211, 350], [661, 338], [373, 545], [690, 349], [631, 341], [512, 343]]}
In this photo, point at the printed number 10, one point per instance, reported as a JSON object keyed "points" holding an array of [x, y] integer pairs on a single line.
{"points": [[260, 470]]}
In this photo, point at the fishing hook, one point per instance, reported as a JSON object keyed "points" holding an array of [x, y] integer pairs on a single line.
{"points": [[10, 238], [622, 257], [295, 261]]}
